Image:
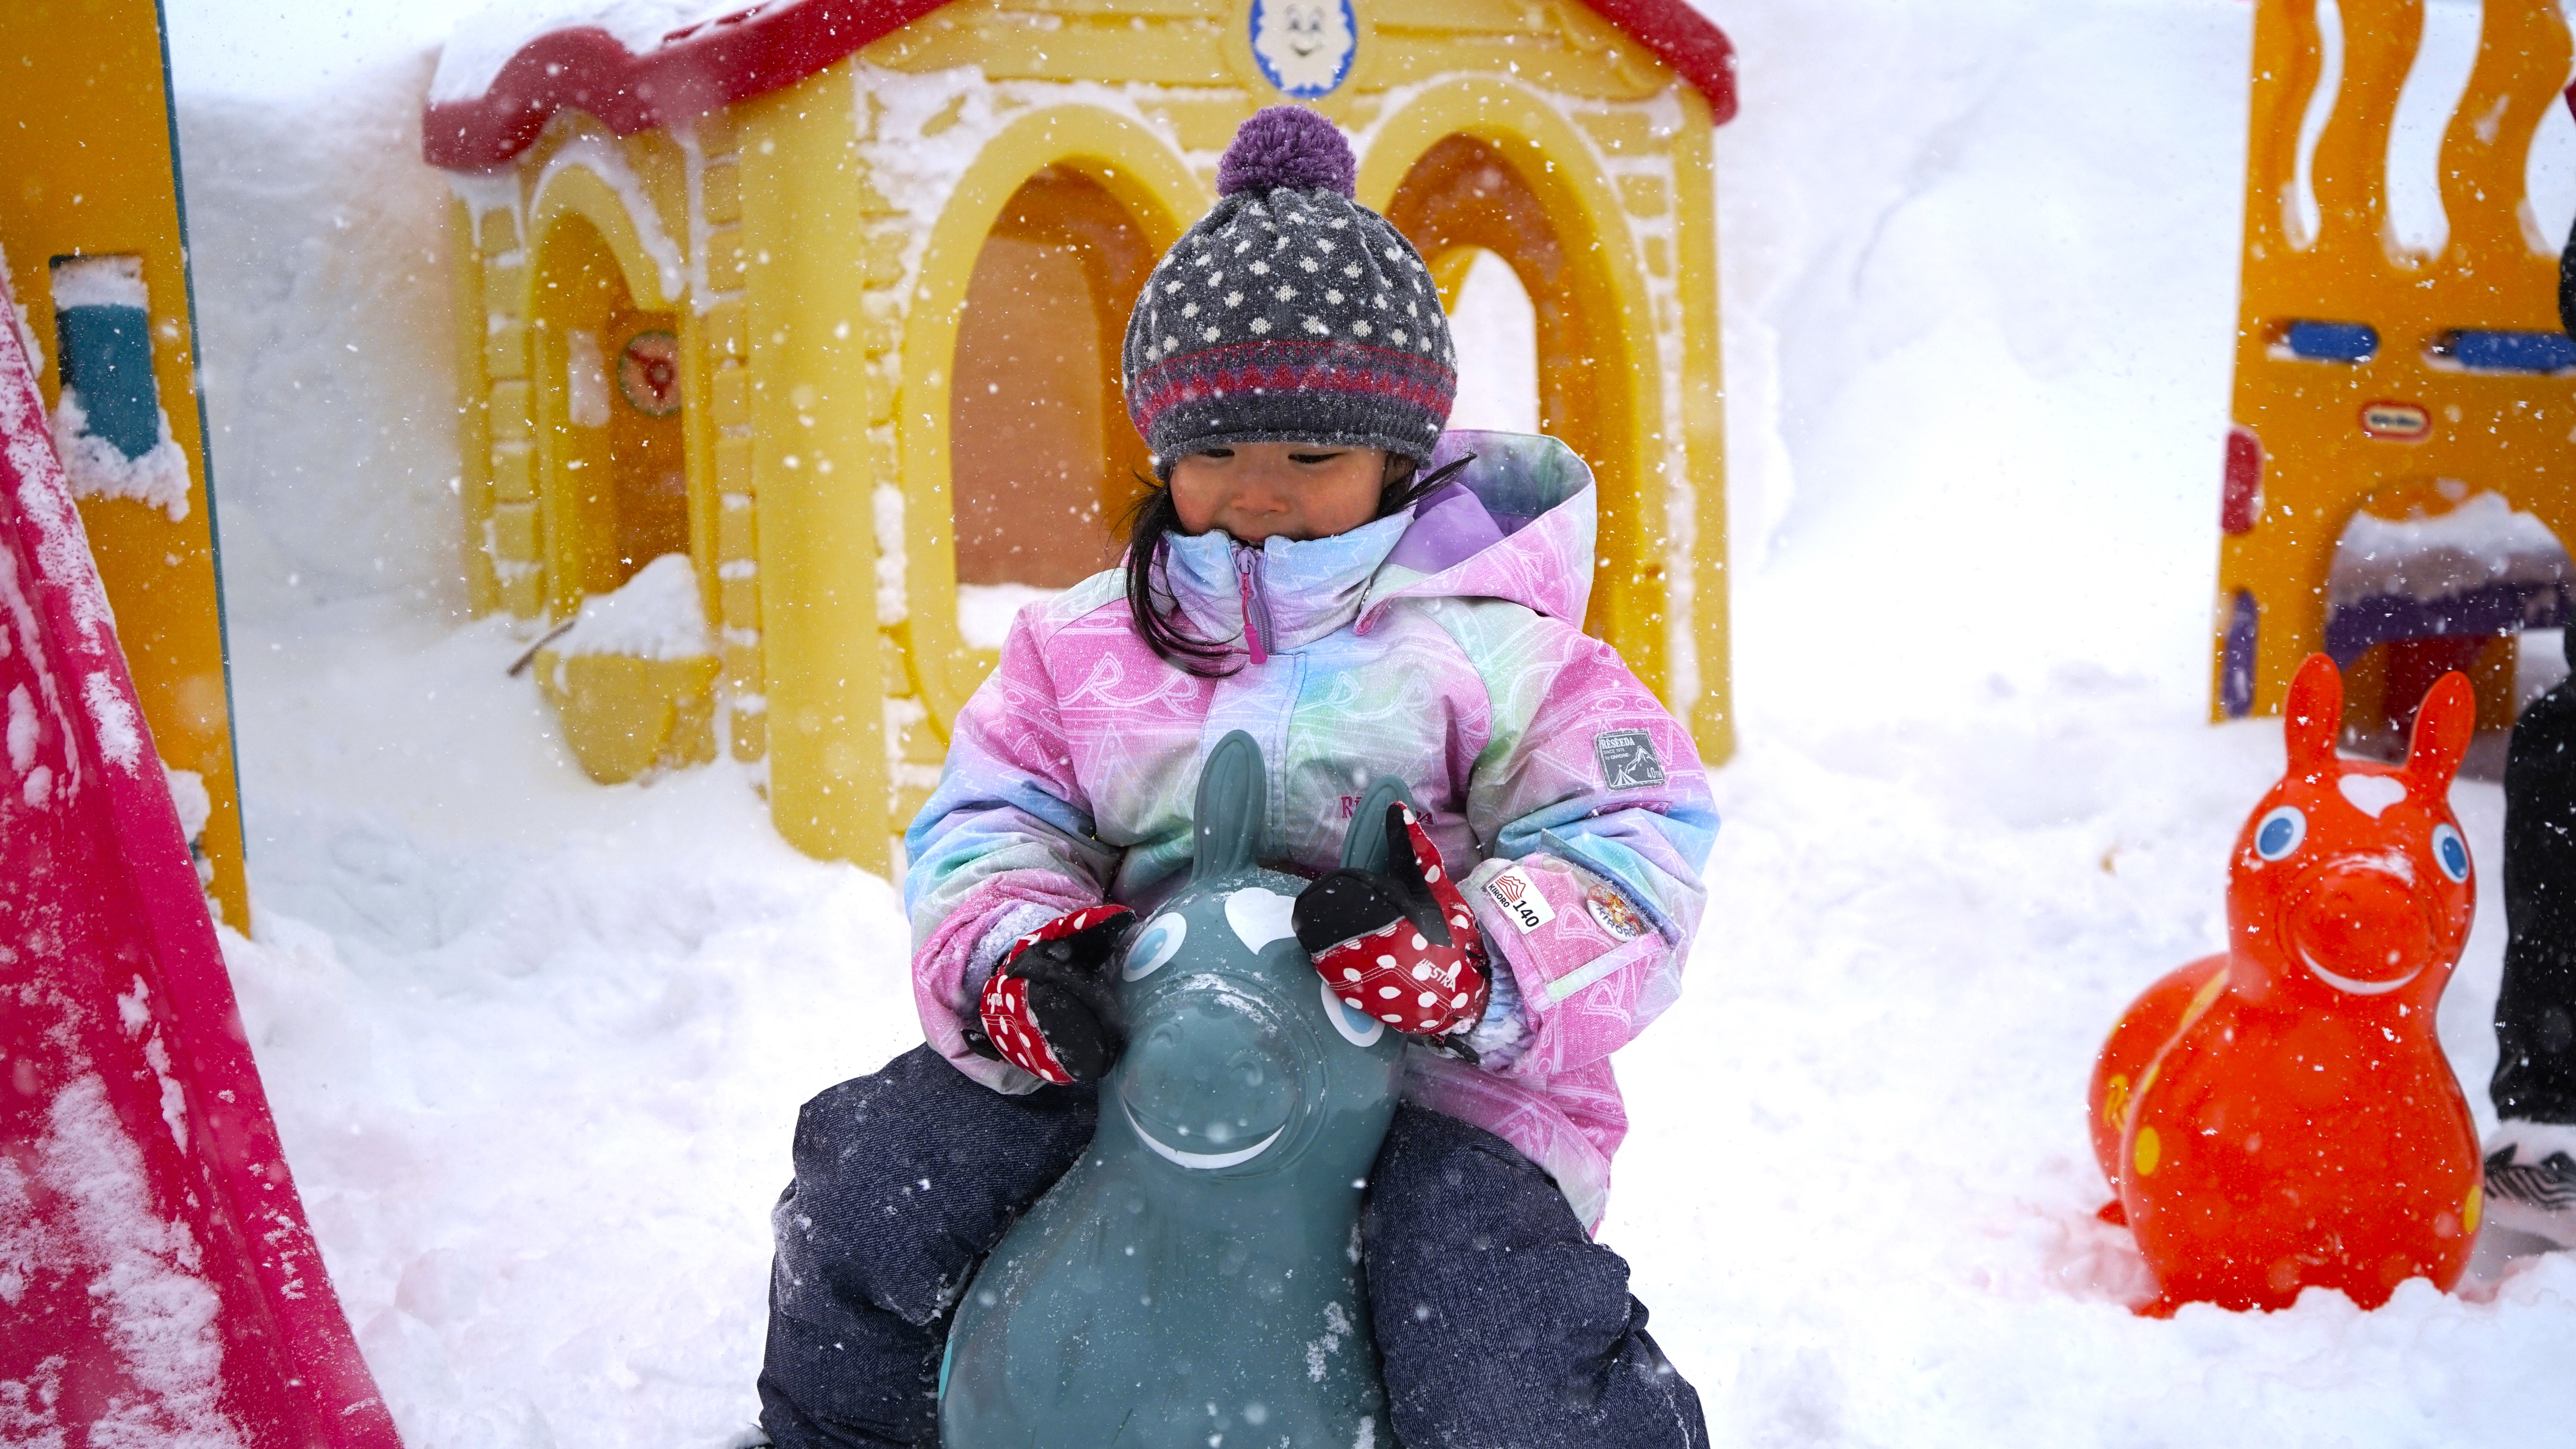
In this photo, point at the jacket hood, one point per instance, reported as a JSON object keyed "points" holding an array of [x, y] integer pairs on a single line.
{"points": [[1515, 523]]}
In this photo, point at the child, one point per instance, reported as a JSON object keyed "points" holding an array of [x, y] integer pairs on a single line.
{"points": [[1307, 574]]}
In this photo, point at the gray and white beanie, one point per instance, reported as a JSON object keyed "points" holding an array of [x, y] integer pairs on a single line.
{"points": [[1290, 312]]}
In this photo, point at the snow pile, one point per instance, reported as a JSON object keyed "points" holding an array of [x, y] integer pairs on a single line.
{"points": [[2481, 540], [485, 41], [655, 615], [318, 244], [537, 1046], [985, 611]]}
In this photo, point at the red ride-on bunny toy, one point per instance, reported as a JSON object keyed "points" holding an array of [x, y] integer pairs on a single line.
{"points": [[2280, 1116]]}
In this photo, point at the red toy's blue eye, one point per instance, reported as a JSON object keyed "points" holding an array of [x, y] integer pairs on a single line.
{"points": [[2280, 832], [2451, 852]]}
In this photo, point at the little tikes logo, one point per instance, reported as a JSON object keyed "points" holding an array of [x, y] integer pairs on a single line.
{"points": [[2397, 422], [1518, 895]]}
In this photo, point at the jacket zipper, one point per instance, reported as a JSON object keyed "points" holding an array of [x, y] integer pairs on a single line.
{"points": [[1256, 612]]}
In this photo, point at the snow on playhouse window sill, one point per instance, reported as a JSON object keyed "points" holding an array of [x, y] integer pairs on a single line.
{"points": [[654, 615], [97, 468]]}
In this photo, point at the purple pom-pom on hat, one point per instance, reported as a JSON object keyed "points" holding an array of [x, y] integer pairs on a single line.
{"points": [[1288, 146]]}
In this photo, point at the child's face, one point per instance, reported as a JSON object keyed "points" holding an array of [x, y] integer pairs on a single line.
{"points": [[1257, 491]]}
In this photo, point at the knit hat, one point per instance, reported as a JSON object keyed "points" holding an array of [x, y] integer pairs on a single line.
{"points": [[1290, 313]]}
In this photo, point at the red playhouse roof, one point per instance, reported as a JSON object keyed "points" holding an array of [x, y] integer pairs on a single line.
{"points": [[761, 47]]}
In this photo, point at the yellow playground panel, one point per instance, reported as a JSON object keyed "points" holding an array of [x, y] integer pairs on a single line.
{"points": [[2398, 477], [90, 226], [886, 272]]}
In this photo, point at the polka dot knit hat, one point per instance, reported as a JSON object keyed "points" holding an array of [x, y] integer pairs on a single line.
{"points": [[1290, 313]]}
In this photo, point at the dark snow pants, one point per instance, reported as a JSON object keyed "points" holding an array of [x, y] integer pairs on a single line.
{"points": [[1500, 1325], [2535, 1016]]}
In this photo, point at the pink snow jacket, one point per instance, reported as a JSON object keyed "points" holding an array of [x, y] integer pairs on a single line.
{"points": [[1442, 645]]}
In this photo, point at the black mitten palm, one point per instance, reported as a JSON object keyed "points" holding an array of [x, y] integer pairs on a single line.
{"points": [[1050, 1008]]}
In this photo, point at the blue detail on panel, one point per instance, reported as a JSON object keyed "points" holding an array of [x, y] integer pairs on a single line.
{"points": [[2481, 351], [2333, 341], [2236, 674], [107, 359]]}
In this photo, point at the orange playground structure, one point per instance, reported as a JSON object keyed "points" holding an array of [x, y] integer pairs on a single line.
{"points": [[91, 225], [2402, 466]]}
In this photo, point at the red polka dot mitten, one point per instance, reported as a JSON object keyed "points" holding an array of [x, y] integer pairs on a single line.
{"points": [[1401, 946], [1050, 1007]]}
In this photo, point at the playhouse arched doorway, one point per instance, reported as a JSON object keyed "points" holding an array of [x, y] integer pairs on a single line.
{"points": [[612, 474], [1042, 458], [1465, 198], [2437, 575]]}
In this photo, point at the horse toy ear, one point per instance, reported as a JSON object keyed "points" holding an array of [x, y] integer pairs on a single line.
{"points": [[2313, 717], [1365, 848], [2443, 724], [1233, 806]]}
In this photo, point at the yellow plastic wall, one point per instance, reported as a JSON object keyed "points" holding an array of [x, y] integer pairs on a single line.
{"points": [[90, 171], [2508, 433]]}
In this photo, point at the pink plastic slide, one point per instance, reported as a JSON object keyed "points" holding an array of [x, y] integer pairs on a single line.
{"points": [[158, 1283]]}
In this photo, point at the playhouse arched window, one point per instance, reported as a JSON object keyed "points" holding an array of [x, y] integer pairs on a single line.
{"points": [[1043, 459], [616, 484]]}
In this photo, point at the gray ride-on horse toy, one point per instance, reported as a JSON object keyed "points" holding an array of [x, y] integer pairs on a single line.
{"points": [[1195, 1278]]}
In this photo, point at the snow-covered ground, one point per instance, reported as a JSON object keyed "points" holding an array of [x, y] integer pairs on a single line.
{"points": [[536, 1046]]}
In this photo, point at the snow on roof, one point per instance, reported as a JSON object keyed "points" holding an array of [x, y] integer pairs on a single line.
{"points": [[637, 64], [486, 40]]}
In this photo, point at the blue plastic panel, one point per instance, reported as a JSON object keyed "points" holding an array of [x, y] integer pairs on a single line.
{"points": [[2481, 351], [107, 359], [2333, 341]]}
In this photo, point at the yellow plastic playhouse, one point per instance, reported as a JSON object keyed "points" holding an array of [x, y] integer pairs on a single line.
{"points": [[789, 339], [90, 227], [2402, 468]]}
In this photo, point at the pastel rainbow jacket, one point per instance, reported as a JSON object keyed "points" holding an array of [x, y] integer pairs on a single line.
{"points": [[1442, 645]]}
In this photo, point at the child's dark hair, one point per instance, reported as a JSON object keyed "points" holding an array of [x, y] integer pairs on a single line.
{"points": [[1153, 518]]}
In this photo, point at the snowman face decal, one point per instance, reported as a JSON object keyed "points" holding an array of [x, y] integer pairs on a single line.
{"points": [[1304, 46]]}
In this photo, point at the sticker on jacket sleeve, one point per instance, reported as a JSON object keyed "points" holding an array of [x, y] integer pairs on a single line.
{"points": [[1612, 913], [1518, 895], [1628, 759]]}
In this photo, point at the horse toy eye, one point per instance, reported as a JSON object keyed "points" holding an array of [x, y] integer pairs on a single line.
{"points": [[2280, 832], [1357, 1027], [2451, 852], [1159, 942]]}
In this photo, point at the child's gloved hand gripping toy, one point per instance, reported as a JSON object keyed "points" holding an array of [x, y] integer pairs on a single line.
{"points": [[1049, 1008], [1400, 943]]}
